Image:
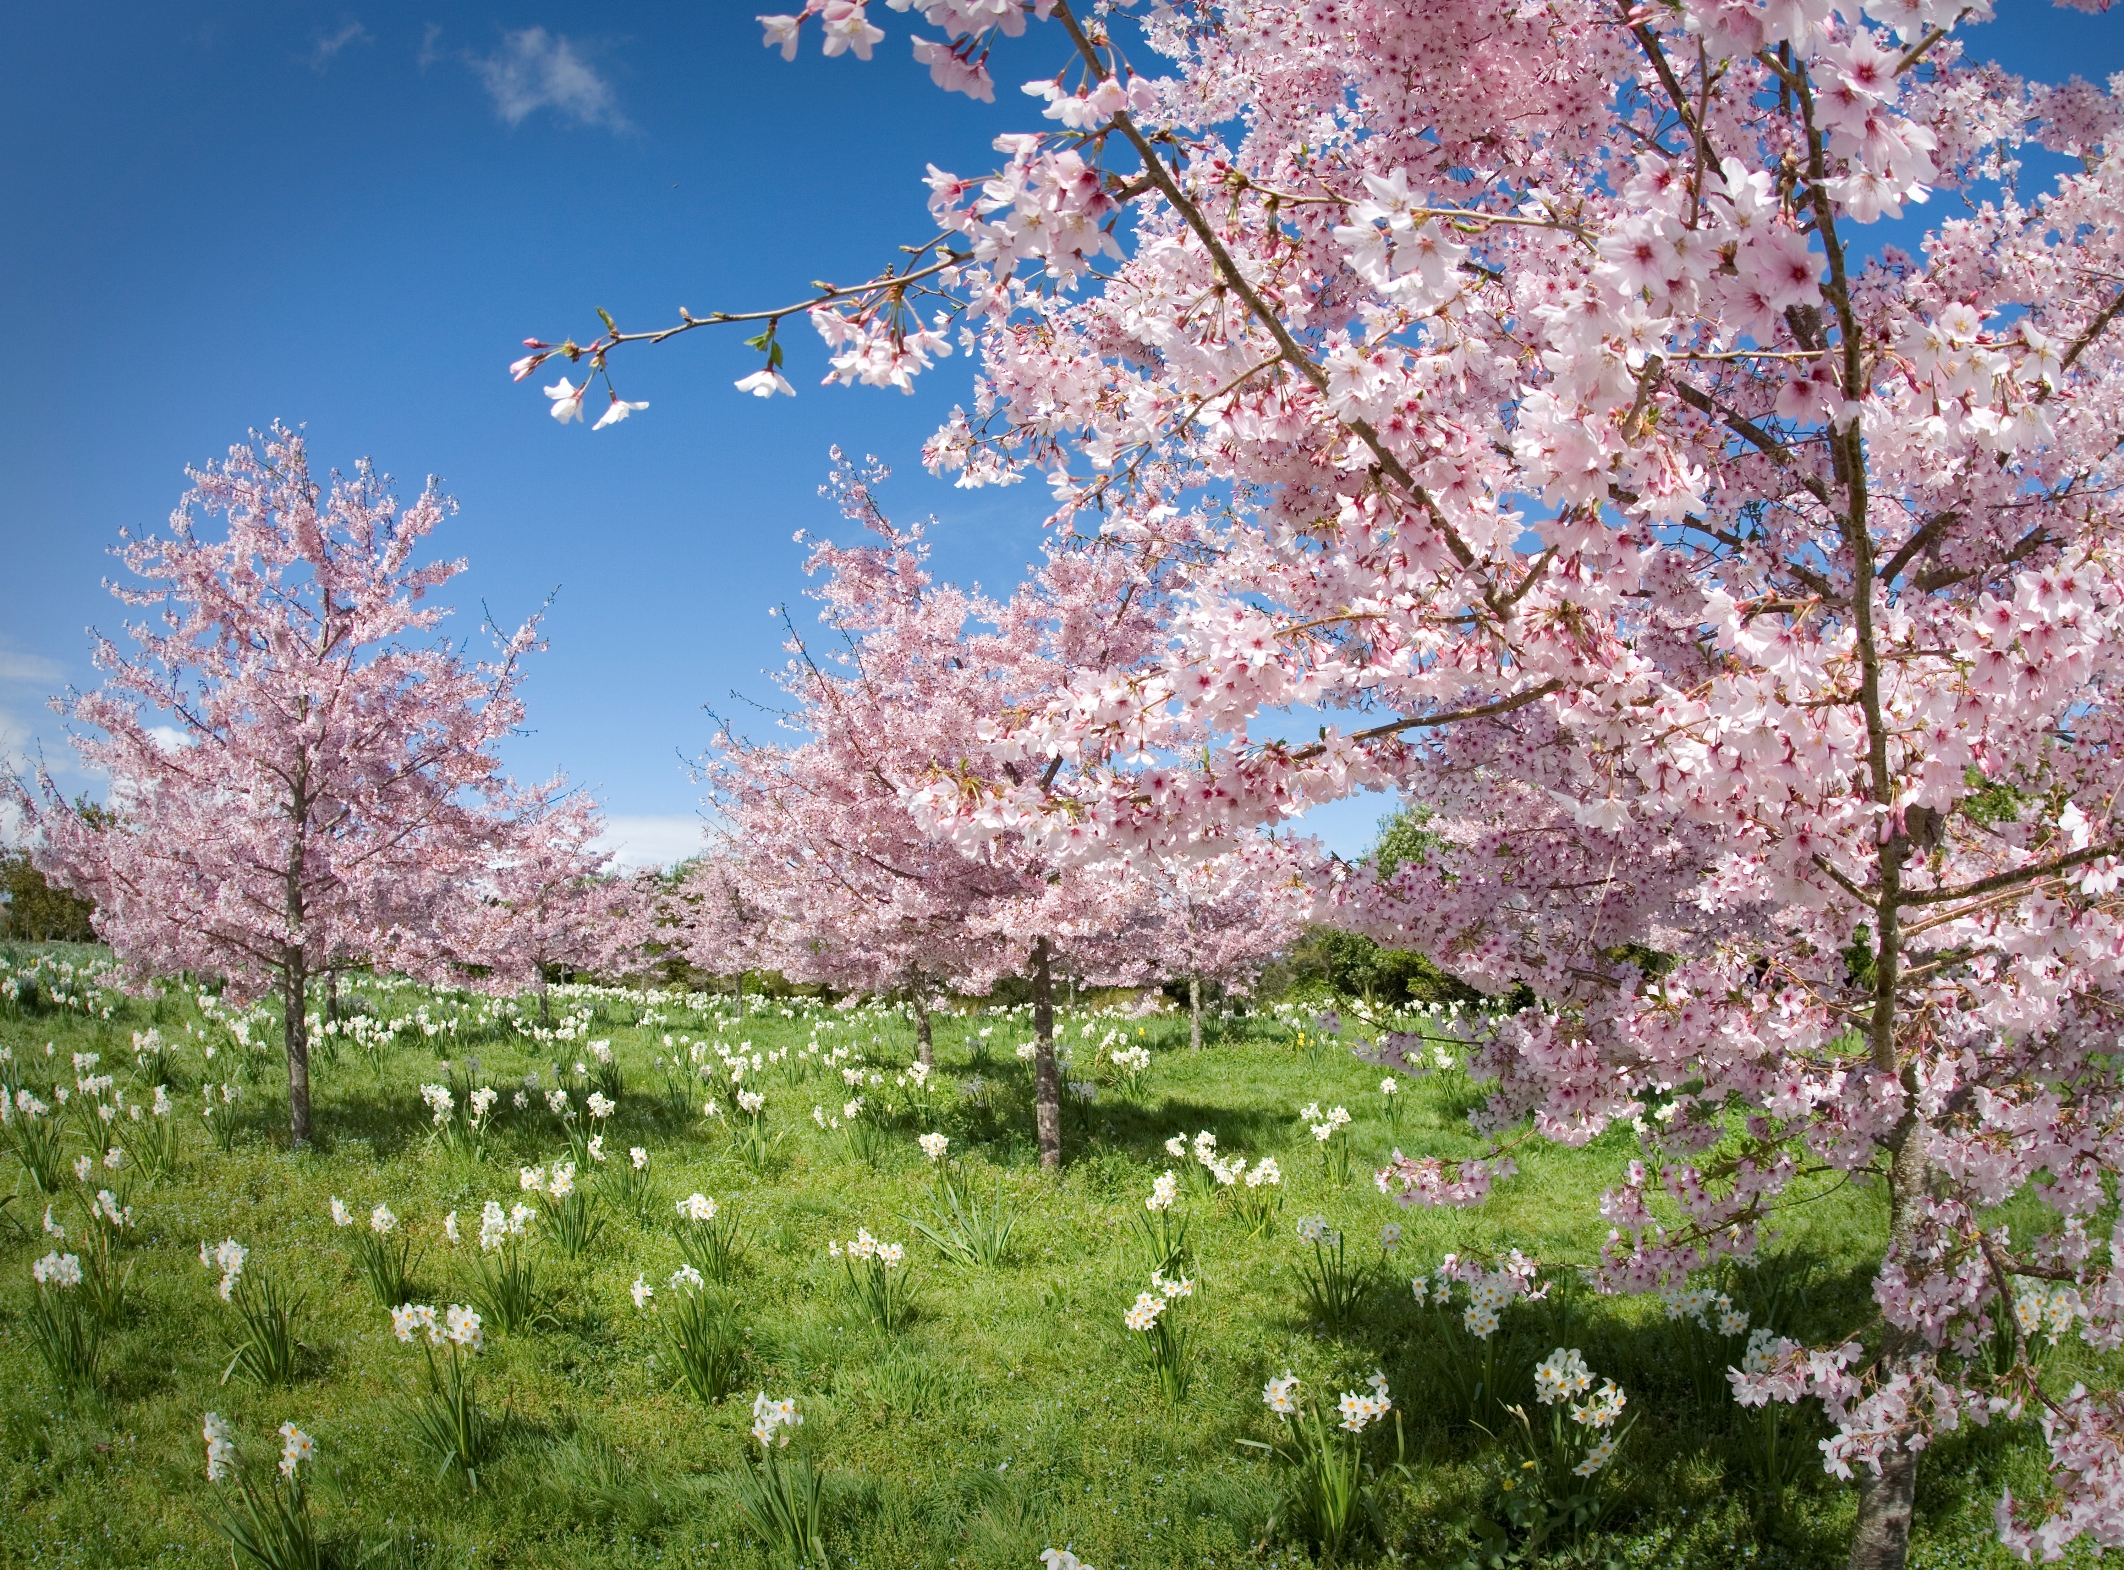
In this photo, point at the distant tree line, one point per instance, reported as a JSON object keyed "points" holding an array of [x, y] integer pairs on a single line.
{"points": [[35, 912]]}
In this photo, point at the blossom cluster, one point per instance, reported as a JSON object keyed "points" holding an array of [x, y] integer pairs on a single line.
{"points": [[227, 1256], [867, 1248], [1143, 1314], [1489, 1290], [458, 1326], [774, 1422]]}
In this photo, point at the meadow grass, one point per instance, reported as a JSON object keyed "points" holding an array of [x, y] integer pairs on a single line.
{"points": [[1006, 1414]]}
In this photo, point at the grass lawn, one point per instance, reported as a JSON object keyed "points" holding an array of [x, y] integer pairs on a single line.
{"points": [[1008, 1413]]}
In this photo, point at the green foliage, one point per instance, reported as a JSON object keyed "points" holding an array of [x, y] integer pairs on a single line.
{"points": [[628, 1187], [37, 911], [1329, 1499], [38, 1142], [273, 1529], [447, 1421], [67, 1333], [1404, 836], [707, 1344], [714, 1247], [968, 1233], [385, 1262], [1350, 965], [1334, 1287], [262, 1341], [1547, 1510], [1161, 1239], [157, 1144], [1165, 1346], [781, 1499], [876, 1277], [506, 1288], [573, 1223]]}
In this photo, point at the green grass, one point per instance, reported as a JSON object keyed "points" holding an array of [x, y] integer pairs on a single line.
{"points": [[1007, 1414]]}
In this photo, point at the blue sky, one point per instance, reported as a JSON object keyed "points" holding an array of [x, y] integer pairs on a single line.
{"points": [[347, 216]]}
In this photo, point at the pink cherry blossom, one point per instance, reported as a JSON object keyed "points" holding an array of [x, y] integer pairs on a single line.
{"points": [[1745, 604], [332, 788]]}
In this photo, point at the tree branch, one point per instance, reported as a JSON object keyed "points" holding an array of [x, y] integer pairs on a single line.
{"points": [[1518, 700]]}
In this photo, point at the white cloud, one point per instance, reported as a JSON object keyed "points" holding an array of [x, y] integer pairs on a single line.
{"points": [[535, 69], [30, 668], [648, 840], [14, 736], [328, 45], [169, 738], [429, 52]]}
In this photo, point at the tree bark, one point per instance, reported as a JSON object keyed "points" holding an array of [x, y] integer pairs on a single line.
{"points": [[295, 1032], [295, 982], [1047, 1074], [332, 995], [925, 1048], [1194, 1013], [545, 1007], [1881, 1538]]}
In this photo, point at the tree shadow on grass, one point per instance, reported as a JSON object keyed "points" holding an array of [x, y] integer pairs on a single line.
{"points": [[1140, 1131]]}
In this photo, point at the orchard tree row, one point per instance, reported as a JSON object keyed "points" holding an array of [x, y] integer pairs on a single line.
{"points": [[304, 780]]}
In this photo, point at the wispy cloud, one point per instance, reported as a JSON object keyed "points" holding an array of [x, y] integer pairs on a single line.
{"points": [[430, 46], [18, 747], [650, 841], [535, 70], [328, 45], [30, 669]]}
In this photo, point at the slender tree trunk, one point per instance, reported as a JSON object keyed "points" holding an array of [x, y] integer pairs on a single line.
{"points": [[741, 997], [1047, 1074], [1194, 1013], [332, 995], [295, 983], [1881, 1539], [296, 1032], [925, 1048], [545, 1004]]}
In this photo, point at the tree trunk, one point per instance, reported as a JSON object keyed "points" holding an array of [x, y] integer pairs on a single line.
{"points": [[925, 1048], [295, 1029], [1194, 1013], [332, 996], [1881, 1539], [545, 1005], [1047, 1074]]}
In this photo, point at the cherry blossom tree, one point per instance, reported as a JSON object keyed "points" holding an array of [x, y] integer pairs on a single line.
{"points": [[850, 888], [1219, 922], [1740, 590], [712, 917], [300, 770], [548, 897]]}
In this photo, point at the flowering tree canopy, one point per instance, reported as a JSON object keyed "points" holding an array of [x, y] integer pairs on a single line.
{"points": [[1741, 593], [547, 896], [295, 783], [855, 887], [1221, 921]]}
